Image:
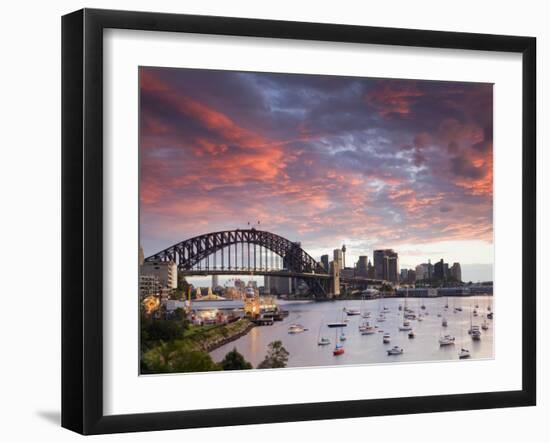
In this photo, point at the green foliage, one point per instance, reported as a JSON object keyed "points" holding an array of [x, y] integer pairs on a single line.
{"points": [[153, 329], [277, 356], [233, 360], [176, 357]]}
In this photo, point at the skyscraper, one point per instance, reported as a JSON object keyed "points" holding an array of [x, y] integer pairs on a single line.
{"points": [[379, 264], [456, 272], [439, 270], [362, 266], [324, 261], [386, 265]]}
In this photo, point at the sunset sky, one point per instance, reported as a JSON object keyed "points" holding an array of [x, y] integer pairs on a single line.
{"points": [[324, 160]]}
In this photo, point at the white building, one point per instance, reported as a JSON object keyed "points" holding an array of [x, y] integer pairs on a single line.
{"points": [[149, 285], [167, 272]]}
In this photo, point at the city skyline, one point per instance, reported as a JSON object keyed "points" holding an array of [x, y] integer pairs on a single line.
{"points": [[326, 161]]}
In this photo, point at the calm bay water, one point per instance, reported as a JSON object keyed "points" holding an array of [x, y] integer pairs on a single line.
{"points": [[364, 349]]}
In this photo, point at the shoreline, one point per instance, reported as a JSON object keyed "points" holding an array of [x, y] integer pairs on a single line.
{"points": [[378, 298], [211, 343]]}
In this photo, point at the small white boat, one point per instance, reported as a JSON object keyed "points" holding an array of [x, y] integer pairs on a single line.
{"points": [[352, 311], [381, 318], [366, 315], [484, 325], [475, 312], [475, 333], [464, 353], [419, 318], [385, 309], [368, 330], [405, 327], [323, 341], [296, 329], [459, 309], [343, 337], [446, 340], [400, 307], [444, 322], [396, 350], [386, 338], [411, 334]]}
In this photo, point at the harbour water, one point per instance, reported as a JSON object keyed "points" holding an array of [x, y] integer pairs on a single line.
{"points": [[369, 349]]}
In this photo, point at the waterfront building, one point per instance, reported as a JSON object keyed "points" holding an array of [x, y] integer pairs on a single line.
{"points": [[411, 276], [217, 311], [167, 272], [456, 272], [324, 262], [421, 271], [149, 285]]}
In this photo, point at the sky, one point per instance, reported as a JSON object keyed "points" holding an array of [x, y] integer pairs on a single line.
{"points": [[324, 160]]}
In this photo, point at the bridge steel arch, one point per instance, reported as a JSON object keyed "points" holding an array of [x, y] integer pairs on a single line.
{"points": [[191, 252]]}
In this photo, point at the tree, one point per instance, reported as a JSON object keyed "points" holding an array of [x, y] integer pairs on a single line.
{"points": [[174, 357], [277, 356], [233, 360]]}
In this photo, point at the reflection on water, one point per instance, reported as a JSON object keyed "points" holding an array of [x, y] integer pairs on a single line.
{"points": [[361, 349]]}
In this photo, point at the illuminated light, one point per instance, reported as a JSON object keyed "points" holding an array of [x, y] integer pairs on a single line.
{"points": [[151, 304]]}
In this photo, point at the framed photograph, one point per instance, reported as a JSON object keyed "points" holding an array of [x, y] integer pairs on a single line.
{"points": [[269, 221]]}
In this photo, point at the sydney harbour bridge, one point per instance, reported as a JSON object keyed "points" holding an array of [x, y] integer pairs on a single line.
{"points": [[252, 252]]}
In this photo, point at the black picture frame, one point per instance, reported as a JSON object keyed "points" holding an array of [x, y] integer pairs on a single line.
{"points": [[82, 218]]}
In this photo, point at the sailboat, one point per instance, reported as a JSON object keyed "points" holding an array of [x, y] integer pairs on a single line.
{"points": [[444, 322], [367, 329], [446, 340], [484, 325], [322, 341], [419, 317], [406, 325], [343, 336], [396, 350], [364, 312], [386, 338], [338, 349], [474, 330], [463, 353]]}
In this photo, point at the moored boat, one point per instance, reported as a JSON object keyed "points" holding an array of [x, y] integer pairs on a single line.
{"points": [[396, 350], [296, 329], [446, 340], [464, 353], [338, 350]]}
